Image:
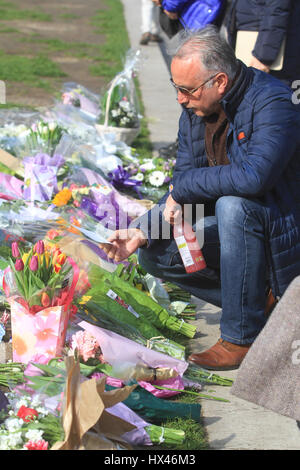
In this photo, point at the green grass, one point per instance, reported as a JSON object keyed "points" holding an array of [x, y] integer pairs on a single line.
{"points": [[57, 45], [111, 24], [25, 69], [10, 11], [195, 436], [7, 29]]}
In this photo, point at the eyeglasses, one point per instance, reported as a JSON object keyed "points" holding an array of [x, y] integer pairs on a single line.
{"points": [[186, 91]]}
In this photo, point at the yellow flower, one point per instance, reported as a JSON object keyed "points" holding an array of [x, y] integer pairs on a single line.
{"points": [[85, 299], [62, 198], [45, 255], [24, 257]]}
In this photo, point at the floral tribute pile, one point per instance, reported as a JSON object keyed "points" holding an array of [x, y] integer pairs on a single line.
{"points": [[74, 324]]}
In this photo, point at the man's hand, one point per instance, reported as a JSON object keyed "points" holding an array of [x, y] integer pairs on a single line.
{"points": [[157, 2], [259, 65], [124, 243], [172, 212], [171, 14]]}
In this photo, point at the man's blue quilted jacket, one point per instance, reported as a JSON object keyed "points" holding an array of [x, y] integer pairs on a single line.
{"points": [[263, 146]]}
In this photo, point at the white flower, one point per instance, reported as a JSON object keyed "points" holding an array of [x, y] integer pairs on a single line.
{"points": [[24, 401], [157, 178], [4, 442], [124, 120], [125, 105], [148, 165], [139, 177], [15, 440], [52, 126], [34, 434], [36, 401], [13, 424]]}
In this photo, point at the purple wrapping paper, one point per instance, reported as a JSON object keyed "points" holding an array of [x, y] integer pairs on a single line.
{"points": [[139, 436], [119, 350], [132, 206], [103, 207], [40, 178]]}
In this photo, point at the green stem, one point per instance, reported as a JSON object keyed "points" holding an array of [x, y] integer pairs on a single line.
{"points": [[202, 395]]}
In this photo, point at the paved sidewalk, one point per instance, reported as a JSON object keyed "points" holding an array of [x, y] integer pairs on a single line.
{"points": [[238, 425]]}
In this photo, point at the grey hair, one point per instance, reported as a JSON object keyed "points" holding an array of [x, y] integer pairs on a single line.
{"points": [[214, 53]]}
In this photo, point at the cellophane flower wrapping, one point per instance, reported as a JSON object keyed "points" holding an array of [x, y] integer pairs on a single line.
{"points": [[119, 105], [41, 176], [42, 168], [80, 97], [39, 286]]}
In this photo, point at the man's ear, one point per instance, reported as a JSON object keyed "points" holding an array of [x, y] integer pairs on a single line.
{"points": [[222, 82]]}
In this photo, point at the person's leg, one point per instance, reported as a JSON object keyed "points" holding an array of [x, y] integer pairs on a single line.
{"points": [[243, 269], [162, 260], [241, 225], [146, 21]]}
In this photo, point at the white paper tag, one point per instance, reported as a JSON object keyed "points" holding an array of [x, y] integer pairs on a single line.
{"points": [[184, 251], [112, 295]]}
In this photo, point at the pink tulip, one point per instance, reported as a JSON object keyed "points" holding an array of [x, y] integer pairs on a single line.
{"points": [[15, 250], [39, 247], [34, 265], [19, 265]]}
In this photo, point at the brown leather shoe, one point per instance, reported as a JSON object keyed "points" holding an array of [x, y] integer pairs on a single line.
{"points": [[145, 39], [222, 356], [155, 38]]}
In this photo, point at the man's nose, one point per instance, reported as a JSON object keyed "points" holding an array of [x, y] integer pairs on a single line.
{"points": [[182, 98]]}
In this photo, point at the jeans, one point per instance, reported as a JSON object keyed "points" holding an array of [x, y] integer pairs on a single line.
{"points": [[235, 277]]}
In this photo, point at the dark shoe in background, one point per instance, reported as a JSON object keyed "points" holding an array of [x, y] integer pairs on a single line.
{"points": [[146, 37], [155, 38]]}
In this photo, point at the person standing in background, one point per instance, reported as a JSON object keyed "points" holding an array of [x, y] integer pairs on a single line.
{"points": [[275, 21], [194, 14], [150, 24]]}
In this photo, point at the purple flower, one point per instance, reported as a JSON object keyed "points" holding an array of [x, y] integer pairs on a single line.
{"points": [[19, 265], [33, 265], [15, 250], [39, 247]]}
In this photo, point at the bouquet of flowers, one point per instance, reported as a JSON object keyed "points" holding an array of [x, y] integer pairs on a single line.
{"points": [[119, 104], [44, 136], [39, 286], [154, 175], [44, 165], [39, 275], [27, 424]]}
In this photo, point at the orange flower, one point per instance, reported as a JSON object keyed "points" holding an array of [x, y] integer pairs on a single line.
{"points": [[45, 300], [19, 345], [61, 259], [52, 234], [57, 268], [62, 198]]}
